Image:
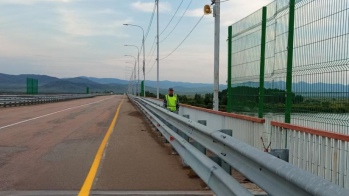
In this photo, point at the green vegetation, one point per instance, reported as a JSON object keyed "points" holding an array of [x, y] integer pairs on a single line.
{"points": [[245, 99]]}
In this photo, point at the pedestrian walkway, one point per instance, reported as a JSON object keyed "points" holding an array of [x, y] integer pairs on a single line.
{"points": [[135, 161]]}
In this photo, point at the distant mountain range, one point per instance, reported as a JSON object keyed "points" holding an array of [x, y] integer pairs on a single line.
{"points": [[48, 84], [164, 85]]}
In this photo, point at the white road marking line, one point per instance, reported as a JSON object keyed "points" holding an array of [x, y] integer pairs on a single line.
{"points": [[52, 113], [5, 110]]}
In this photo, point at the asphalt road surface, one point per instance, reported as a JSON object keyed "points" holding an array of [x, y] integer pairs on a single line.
{"points": [[49, 150]]}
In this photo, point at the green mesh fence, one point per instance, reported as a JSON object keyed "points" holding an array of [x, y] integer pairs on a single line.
{"points": [[319, 86], [321, 59], [246, 44]]}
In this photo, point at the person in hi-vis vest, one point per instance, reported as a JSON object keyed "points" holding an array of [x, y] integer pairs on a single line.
{"points": [[171, 101]]}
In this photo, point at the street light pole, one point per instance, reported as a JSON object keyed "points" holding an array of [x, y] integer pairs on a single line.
{"points": [[132, 76], [158, 60], [134, 65], [129, 70], [143, 56], [130, 83], [138, 93]]}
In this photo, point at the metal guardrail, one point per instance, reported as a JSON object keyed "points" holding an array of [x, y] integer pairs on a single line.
{"points": [[17, 100], [209, 171], [273, 175], [309, 149], [245, 128]]}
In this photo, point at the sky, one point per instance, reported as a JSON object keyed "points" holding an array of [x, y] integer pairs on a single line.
{"points": [[71, 38]]}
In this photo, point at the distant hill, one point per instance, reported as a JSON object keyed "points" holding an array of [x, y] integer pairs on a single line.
{"points": [[170, 84], [179, 87], [69, 86], [22, 79], [106, 80], [48, 84]]}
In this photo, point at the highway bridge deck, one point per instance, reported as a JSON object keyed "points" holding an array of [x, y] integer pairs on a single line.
{"points": [[50, 149]]}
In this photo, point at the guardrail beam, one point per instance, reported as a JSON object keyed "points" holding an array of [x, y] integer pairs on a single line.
{"points": [[273, 175], [210, 172]]}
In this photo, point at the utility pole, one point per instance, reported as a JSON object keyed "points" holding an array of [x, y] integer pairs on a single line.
{"points": [[136, 78], [138, 88], [138, 92], [138, 55], [157, 37], [216, 14], [143, 65]]}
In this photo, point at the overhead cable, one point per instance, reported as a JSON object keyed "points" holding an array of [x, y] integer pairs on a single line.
{"points": [[151, 48], [151, 56], [150, 22], [151, 67], [177, 22], [171, 18], [184, 38]]}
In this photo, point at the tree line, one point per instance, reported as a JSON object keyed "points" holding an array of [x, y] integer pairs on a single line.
{"points": [[246, 99]]}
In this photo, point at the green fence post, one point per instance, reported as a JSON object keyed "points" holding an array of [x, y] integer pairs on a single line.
{"points": [[142, 88], [262, 64], [289, 63], [289, 66], [230, 32]]}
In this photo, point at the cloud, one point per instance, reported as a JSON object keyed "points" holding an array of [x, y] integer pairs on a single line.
{"points": [[14, 47], [31, 2], [233, 11], [149, 6], [87, 24], [195, 12]]}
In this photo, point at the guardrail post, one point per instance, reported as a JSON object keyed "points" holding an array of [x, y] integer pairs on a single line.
{"points": [[181, 133], [184, 164], [218, 160], [197, 145], [224, 164], [282, 154]]}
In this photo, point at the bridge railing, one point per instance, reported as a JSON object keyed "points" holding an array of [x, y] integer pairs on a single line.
{"points": [[273, 175], [320, 152], [16, 100], [253, 128]]}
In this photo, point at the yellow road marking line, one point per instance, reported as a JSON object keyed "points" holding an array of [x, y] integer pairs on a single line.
{"points": [[86, 187]]}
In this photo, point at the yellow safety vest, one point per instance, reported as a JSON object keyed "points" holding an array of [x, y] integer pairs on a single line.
{"points": [[171, 102]]}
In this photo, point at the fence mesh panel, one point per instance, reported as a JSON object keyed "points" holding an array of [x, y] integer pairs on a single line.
{"points": [[320, 69]]}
